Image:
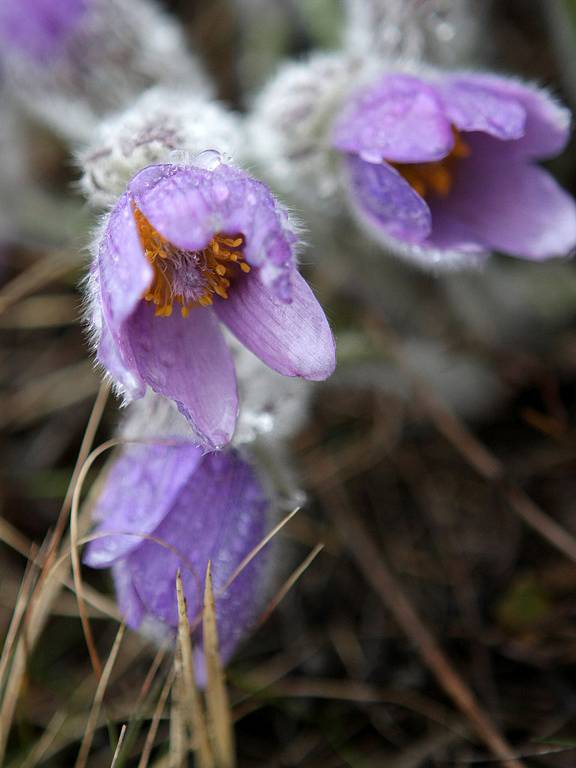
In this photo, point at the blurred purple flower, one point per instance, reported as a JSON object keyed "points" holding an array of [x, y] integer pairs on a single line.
{"points": [[443, 169], [181, 509], [39, 29], [184, 249]]}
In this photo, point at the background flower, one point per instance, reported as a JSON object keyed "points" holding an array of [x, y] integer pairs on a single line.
{"points": [[70, 62], [444, 167]]}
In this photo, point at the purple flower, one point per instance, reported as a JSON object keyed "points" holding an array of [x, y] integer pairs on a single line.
{"points": [[178, 509], [39, 29], [443, 169], [184, 250]]}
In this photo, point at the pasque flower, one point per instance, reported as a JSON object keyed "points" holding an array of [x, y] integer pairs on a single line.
{"points": [[185, 249], [73, 61], [165, 508], [443, 168]]}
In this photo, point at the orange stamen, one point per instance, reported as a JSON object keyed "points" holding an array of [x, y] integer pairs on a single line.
{"points": [[435, 178], [217, 266]]}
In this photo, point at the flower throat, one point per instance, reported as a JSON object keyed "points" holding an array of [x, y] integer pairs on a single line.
{"points": [[189, 278], [435, 178]]}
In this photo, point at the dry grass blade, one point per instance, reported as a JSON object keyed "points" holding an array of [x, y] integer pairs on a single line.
{"points": [[290, 581], [178, 750], [119, 746], [46, 591], [76, 570], [221, 727], [13, 538], [42, 746], [153, 730], [83, 453], [44, 395], [258, 548], [82, 759], [22, 602], [44, 271], [191, 699]]}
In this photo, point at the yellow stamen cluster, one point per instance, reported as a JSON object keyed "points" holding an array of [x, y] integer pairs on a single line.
{"points": [[437, 177], [210, 270]]}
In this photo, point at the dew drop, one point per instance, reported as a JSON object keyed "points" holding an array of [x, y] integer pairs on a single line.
{"points": [[210, 159]]}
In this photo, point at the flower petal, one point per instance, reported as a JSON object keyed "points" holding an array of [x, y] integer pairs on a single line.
{"points": [[293, 339], [219, 516], [124, 271], [511, 206], [401, 119], [474, 107], [386, 200], [138, 492], [187, 360], [131, 607], [123, 276], [547, 127]]}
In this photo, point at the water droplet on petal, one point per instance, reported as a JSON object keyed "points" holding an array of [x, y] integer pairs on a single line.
{"points": [[210, 159]]}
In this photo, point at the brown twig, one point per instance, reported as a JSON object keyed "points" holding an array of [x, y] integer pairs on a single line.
{"points": [[369, 559]]}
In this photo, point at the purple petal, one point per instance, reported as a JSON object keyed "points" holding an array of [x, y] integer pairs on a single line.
{"points": [[118, 361], [401, 119], [473, 107], [129, 603], [511, 206], [293, 339], [547, 127], [219, 516], [190, 205], [188, 361], [387, 201], [39, 29], [124, 275], [138, 492]]}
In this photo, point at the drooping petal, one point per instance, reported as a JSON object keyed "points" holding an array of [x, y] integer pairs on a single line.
{"points": [[387, 201], [123, 274], [547, 126], [219, 516], [189, 205], [293, 339], [187, 360], [509, 205], [138, 493], [118, 360], [401, 119], [471, 106]]}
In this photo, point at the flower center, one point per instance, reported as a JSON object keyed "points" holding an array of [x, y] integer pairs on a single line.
{"points": [[434, 178], [189, 278]]}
